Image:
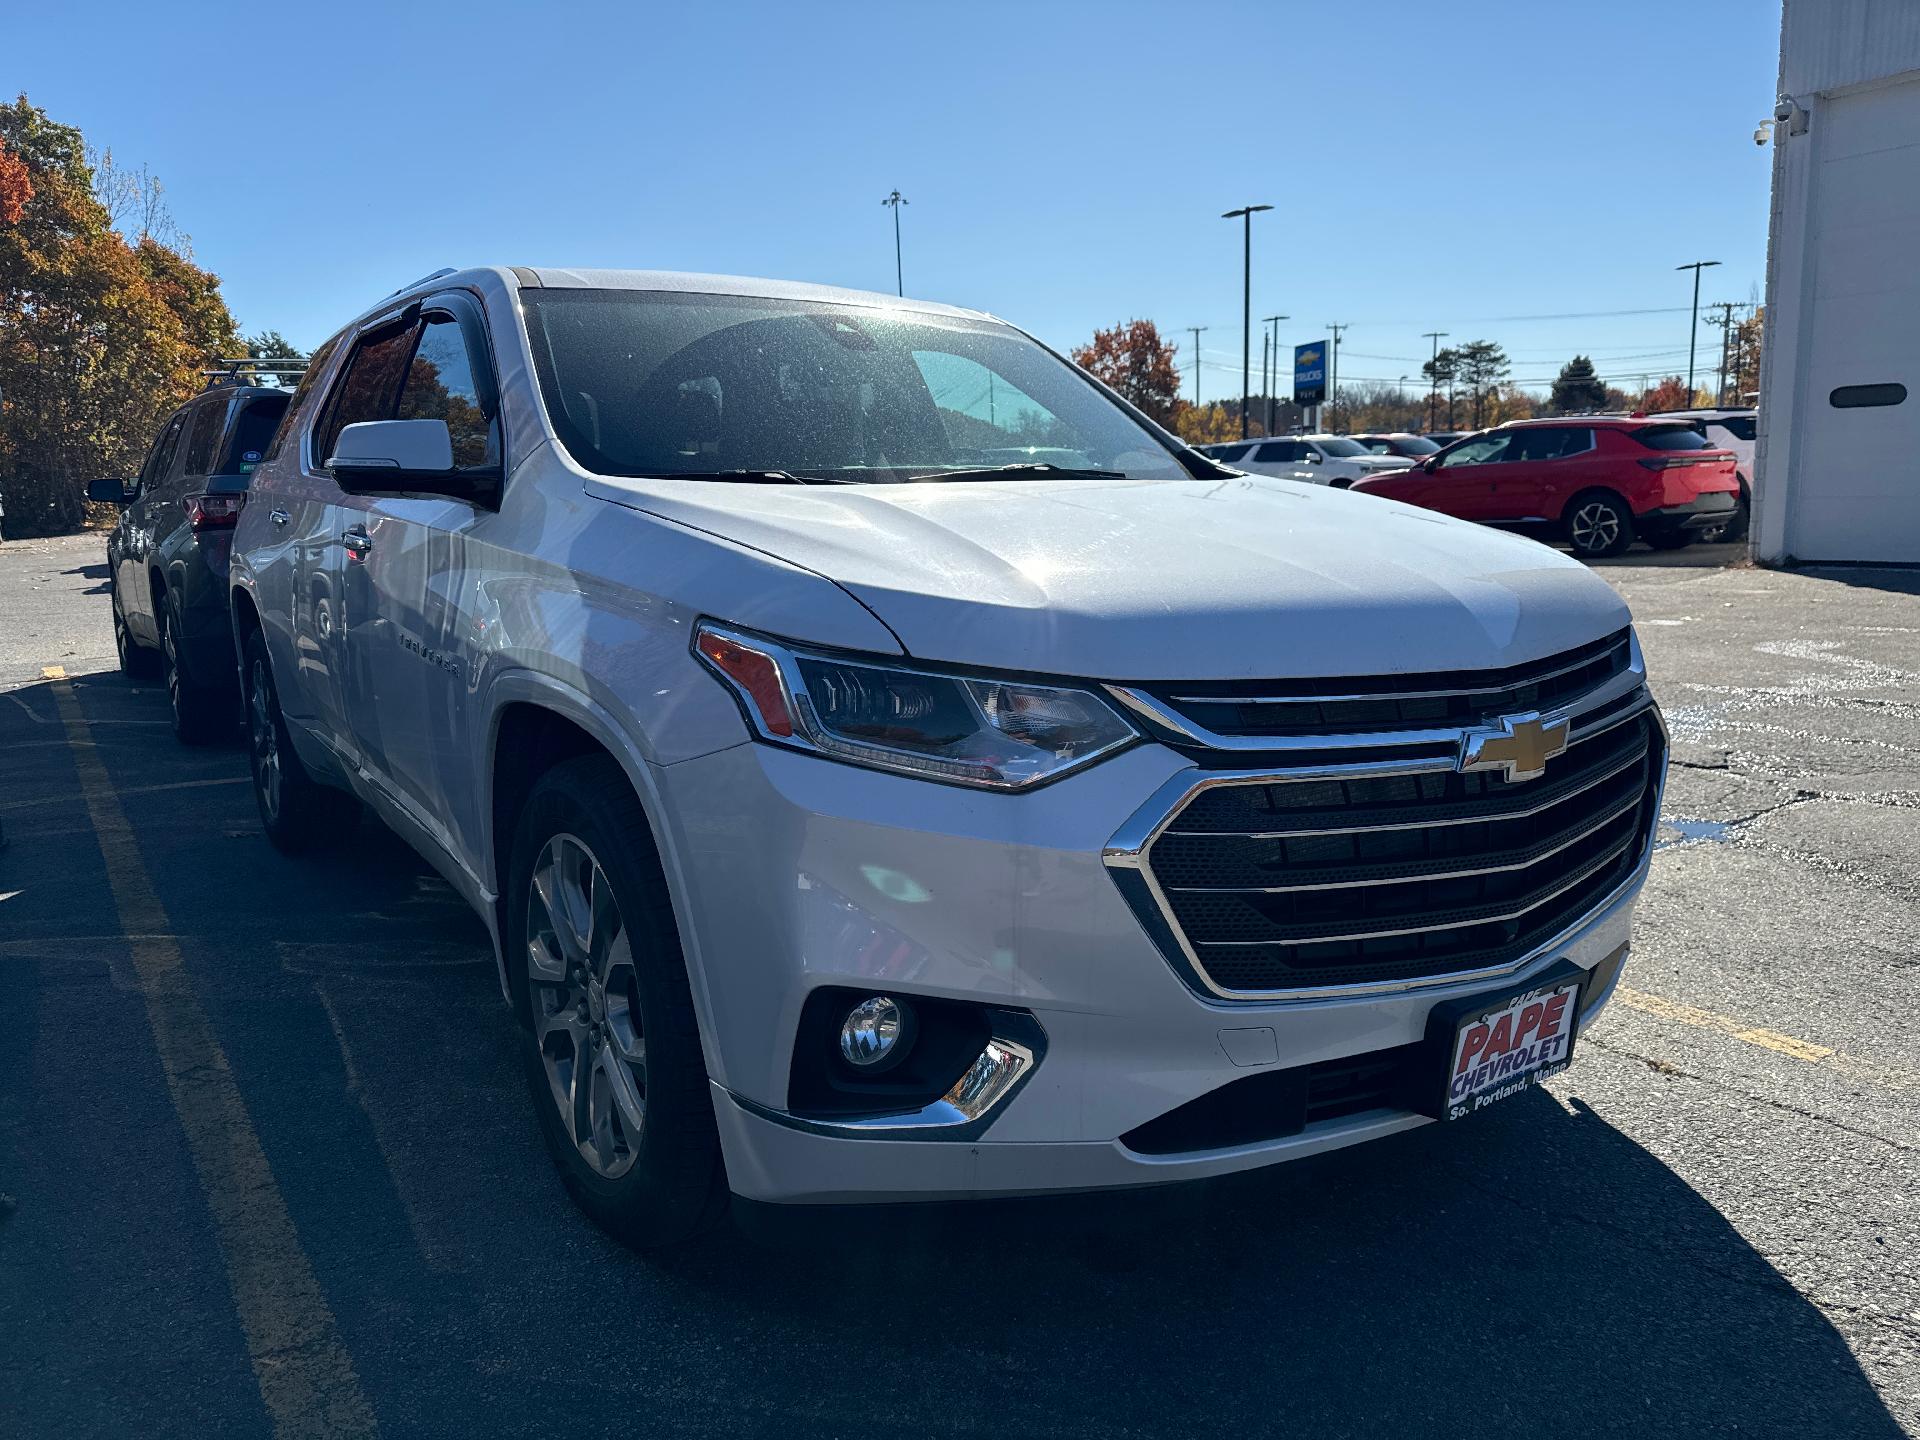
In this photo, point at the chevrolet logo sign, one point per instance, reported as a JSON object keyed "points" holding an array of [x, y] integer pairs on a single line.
{"points": [[1517, 745], [1307, 357]]}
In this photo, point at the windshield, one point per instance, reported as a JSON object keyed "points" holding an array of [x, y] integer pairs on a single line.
{"points": [[669, 383], [1414, 445], [1341, 449]]}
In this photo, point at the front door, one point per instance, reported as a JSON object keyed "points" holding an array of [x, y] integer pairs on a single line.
{"points": [[1462, 480], [410, 651]]}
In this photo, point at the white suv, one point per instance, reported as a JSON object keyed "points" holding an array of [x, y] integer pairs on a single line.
{"points": [[859, 814], [1332, 460]]}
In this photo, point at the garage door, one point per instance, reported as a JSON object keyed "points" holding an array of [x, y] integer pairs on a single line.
{"points": [[1856, 493]]}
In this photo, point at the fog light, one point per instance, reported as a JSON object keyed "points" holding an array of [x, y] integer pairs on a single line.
{"points": [[874, 1034]]}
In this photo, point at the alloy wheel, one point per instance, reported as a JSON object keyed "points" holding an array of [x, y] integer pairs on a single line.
{"points": [[1595, 526], [264, 736], [122, 642], [584, 994]]}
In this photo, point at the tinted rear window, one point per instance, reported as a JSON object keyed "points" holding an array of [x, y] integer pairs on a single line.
{"points": [[252, 433], [1741, 427], [1672, 437], [1228, 452]]}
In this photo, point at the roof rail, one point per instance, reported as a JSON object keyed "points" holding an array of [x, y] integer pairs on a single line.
{"points": [[416, 284]]}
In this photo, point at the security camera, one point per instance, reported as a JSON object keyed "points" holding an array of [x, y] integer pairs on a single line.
{"points": [[1763, 132], [1783, 112]]}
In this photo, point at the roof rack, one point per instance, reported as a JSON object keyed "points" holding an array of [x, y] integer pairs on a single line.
{"points": [[444, 270], [245, 370]]}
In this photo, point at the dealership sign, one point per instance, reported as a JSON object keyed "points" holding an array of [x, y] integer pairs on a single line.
{"points": [[1310, 374]]}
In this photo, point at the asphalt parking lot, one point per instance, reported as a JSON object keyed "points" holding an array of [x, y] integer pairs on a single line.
{"points": [[267, 1159]]}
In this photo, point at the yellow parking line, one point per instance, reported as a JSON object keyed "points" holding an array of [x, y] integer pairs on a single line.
{"points": [[1706, 1020], [305, 1375]]}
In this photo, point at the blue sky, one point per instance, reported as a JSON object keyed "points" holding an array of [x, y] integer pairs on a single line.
{"points": [[1447, 167]]}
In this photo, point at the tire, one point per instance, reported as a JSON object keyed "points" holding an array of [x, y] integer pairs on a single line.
{"points": [[647, 1168], [136, 661], [201, 714], [1598, 524], [1736, 528], [297, 812]]}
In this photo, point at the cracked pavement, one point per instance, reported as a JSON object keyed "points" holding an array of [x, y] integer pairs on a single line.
{"points": [[1709, 1224]]}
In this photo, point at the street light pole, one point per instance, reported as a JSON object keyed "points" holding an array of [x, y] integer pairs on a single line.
{"points": [[1693, 329], [896, 200], [1196, 329], [1245, 214], [1274, 321], [1433, 393]]}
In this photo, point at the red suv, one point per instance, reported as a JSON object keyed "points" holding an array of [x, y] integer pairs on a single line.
{"points": [[1599, 482]]}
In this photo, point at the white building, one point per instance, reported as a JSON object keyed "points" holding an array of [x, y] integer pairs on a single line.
{"points": [[1839, 445]]}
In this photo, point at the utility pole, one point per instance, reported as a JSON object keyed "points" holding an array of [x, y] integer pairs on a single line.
{"points": [[896, 200], [1245, 215], [1274, 321], [1693, 327], [1196, 329], [1433, 394], [1333, 376], [1725, 322]]}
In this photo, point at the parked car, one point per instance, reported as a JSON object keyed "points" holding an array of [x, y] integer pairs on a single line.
{"points": [[1324, 459], [1409, 446], [1734, 430], [1597, 482], [860, 817], [168, 551]]}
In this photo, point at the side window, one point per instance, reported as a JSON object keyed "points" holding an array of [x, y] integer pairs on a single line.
{"points": [[160, 458], [1741, 427], [206, 430], [302, 396], [1229, 453], [369, 388], [1487, 450], [439, 386], [1276, 452]]}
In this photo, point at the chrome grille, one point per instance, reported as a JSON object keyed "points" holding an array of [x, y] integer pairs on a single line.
{"points": [[1398, 869]]}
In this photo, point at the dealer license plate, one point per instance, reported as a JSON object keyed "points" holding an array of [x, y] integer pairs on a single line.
{"points": [[1511, 1046]]}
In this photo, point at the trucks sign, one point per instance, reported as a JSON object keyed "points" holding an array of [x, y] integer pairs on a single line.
{"points": [[1310, 373]]}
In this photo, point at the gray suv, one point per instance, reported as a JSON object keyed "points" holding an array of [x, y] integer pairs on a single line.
{"points": [[167, 555]]}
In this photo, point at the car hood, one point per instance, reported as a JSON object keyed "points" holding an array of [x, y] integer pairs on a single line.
{"points": [[1161, 580], [1384, 462]]}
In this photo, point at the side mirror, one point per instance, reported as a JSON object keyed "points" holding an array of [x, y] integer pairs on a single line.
{"points": [[402, 457], [1427, 464], [1312, 457], [110, 492]]}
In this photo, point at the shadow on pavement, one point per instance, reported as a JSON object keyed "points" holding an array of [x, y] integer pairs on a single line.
{"points": [[1693, 557], [1533, 1270]]}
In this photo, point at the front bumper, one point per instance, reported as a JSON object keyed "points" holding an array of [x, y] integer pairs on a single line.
{"points": [[794, 872]]}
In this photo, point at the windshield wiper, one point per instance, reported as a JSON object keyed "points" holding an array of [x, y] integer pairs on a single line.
{"points": [[746, 477], [1039, 468]]}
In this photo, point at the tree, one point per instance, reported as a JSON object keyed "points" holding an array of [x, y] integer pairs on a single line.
{"points": [[99, 338], [1481, 366], [1137, 362], [1441, 372], [272, 345], [1744, 384], [1670, 394], [1577, 388]]}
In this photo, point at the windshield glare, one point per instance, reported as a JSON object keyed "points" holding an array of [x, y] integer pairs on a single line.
{"points": [[1341, 449], [668, 383]]}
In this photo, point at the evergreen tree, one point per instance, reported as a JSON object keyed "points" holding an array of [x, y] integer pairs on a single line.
{"points": [[1578, 388]]}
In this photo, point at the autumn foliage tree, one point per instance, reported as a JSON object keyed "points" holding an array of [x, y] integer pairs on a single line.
{"points": [[1136, 361], [99, 338]]}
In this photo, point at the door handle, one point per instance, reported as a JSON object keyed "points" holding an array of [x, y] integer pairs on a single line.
{"points": [[358, 542], [279, 517]]}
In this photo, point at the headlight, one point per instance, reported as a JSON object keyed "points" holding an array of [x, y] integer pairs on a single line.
{"points": [[999, 734]]}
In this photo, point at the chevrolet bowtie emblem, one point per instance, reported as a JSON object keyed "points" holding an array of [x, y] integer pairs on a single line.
{"points": [[1309, 357], [1517, 745]]}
